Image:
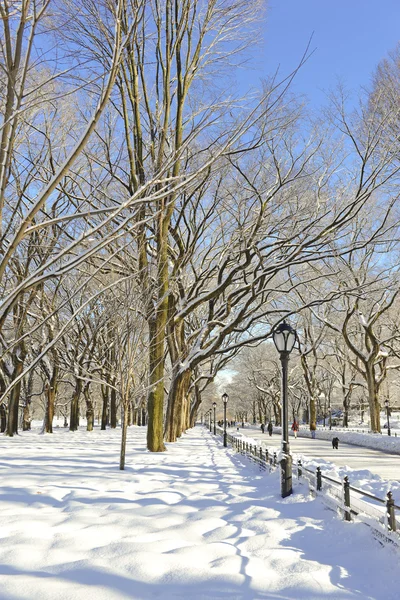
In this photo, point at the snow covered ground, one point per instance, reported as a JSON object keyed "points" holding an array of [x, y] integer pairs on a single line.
{"points": [[198, 521]]}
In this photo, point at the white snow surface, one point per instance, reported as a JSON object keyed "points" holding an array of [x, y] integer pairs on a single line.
{"points": [[198, 521]]}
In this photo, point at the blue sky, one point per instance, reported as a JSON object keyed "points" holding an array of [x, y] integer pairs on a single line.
{"points": [[350, 37]]}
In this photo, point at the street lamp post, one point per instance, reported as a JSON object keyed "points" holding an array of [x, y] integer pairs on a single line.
{"points": [[387, 415], [284, 338], [330, 414], [215, 426], [225, 401], [209, 414]]}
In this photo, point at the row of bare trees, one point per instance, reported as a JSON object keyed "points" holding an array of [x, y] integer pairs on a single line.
{"points": [[348, 356], [154, 223]]}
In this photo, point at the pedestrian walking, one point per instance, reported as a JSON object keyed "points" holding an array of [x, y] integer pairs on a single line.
{"points": [[295, 428], [262, 427], [270, 428]]}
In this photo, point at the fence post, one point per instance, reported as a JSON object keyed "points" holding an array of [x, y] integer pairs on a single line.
{"points": [[266, 455], [319, 479], [261, 452], [247, 446], [274, 458], [346, 497], [299, 469], [390, 512]]}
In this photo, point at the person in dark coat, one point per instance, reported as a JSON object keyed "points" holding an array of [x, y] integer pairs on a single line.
{"points": [[262, 427], [335, 443], [270, 428]]}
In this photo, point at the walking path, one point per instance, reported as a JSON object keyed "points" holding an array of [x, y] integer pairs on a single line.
{"points": [[377, 462], [198, 521]]}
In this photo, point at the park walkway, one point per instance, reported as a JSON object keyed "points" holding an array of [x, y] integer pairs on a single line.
{"points": [[378, 462], [198, 521]]}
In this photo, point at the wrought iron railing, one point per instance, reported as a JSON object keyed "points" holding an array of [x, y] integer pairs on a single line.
{"points": [[383, 515]]}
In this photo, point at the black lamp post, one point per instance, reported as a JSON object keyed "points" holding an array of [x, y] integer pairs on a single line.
{"points": [[215, 426], [387, 415], [284, 338], [225, 401], [209, 414]]}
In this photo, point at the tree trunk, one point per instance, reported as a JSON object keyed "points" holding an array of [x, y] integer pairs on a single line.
{"points": [[113, 406], [51, 394], [277, 412], [313, 413], [185, 414], [104, 393], [50, 400], [13, 404], [175, 410], [74, 417], [3, 418], [123, 438], [89, 408], [155, 404], [194, 408], [373, 399]]}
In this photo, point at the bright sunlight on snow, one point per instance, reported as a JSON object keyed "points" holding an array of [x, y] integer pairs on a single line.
{"points": [[197, 521]]}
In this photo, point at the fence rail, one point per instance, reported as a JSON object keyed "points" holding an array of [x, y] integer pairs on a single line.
{"points": [[379, 513]]}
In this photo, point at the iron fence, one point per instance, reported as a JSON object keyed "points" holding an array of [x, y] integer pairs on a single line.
{"points": [[383, 515]]}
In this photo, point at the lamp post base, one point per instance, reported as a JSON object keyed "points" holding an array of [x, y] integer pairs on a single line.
{"points": [[286, 476]]}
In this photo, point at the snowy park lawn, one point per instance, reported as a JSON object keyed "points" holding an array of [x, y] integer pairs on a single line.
{"points": [[197, 521]]}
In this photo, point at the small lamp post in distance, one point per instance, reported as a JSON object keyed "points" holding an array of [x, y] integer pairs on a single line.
{"points": [[225, 401], [387, 416], [284, 338]]}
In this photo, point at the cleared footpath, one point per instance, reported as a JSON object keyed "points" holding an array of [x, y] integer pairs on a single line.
{"points": [[377, 462]]}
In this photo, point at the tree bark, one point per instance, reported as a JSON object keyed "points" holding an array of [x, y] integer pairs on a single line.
{"points": [[104, 420], [123, 438], [13, 405], [74, 417], [175, 408], [113, 406], [3, 418], [373, 398], [89, 408], [155, 404], [51, 394]]}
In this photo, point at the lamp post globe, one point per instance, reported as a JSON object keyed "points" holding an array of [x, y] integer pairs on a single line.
{"points": [[387, 416], [284, 337], [215, 426], [225, 399]]}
